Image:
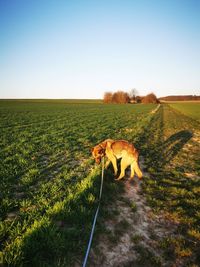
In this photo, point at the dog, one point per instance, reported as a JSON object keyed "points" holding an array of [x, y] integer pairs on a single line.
{"points": [[118, 149]]}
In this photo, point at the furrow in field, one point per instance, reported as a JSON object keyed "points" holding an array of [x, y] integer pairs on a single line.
{"points": [[156, 223]]}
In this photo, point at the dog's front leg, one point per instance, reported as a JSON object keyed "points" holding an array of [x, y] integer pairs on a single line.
{"points": [[107, 163], [114, 163]]}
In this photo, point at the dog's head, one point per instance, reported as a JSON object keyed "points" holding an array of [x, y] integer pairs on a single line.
{"points": [[98, 153]]}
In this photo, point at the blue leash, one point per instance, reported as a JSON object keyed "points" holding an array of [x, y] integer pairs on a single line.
{"points": [[95, 217]]}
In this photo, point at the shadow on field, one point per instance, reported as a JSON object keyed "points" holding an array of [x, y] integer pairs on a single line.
{"points": [[61, 236], [157, 151], [168, 188], [174, 144]]}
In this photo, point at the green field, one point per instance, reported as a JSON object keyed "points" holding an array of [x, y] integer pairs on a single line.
{"points": [[49, 182], [189, 109], [172, 157]]}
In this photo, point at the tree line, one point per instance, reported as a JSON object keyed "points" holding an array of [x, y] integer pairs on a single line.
{"points": [[180, 98], [121, 97]]}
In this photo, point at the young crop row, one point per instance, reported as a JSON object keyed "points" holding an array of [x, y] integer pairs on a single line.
{"points": [[49, 183], [171, 149]]}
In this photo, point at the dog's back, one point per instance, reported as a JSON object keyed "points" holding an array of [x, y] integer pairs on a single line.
{"points": [[122, 147]]}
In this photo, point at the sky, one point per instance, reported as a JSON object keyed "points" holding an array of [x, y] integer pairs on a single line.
{"points": [[81, 49]]}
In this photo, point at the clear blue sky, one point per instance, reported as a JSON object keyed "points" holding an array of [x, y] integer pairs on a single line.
{"points": [[80, 49]]}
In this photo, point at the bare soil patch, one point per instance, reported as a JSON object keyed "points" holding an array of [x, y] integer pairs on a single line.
{"points": [[133, 235]]}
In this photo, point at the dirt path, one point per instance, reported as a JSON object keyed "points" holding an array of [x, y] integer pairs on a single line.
{"points": [[133, 236], [136, 236]]}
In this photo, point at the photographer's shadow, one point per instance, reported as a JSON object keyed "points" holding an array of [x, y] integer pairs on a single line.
{"points": [[174, 144]]}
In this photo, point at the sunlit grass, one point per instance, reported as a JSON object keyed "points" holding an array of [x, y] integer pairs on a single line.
{"points": [[49, 182], [189, 109]]}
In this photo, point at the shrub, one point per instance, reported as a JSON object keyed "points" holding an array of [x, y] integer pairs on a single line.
{"points": [[118, 97], [107, 97], [150, 98]]}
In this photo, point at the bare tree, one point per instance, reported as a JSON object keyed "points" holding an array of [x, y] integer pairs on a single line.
{"points": [[132, 94]]}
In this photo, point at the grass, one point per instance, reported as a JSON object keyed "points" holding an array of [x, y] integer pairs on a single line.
{"points": [[133, 206], [189, 109], [173, 152], [146, 257], [49, 182]]}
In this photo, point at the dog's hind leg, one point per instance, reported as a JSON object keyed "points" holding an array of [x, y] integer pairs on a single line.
{"points": [[132, 171], [124, 165], [135, 167]]}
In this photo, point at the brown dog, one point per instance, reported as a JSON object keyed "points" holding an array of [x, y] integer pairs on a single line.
{"points": [[116, 149]]}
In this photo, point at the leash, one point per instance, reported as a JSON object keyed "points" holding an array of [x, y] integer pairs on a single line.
{"points": [[95, 217]]}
